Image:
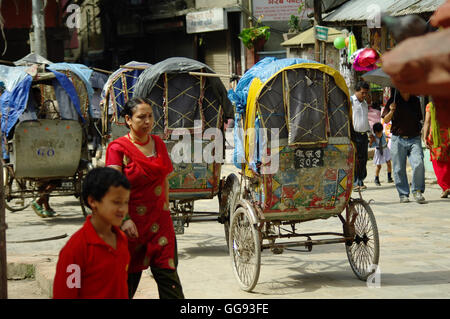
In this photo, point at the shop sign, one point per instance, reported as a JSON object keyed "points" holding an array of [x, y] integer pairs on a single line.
{"points": [[279, 10], [205, 21]]}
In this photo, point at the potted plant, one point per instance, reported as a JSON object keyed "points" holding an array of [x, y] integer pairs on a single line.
{"points": [[255, 36], [294, 24]]}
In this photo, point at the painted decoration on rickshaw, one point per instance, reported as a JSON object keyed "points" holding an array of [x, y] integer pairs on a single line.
{"points": [[190, 180], [299, 190], [309, 104]]}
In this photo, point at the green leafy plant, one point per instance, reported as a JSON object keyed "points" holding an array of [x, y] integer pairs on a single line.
{"points": [[252, 34], [301, 7], [293, 24], [294, 21]]}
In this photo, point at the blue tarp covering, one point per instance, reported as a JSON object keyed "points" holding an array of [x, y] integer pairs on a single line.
{"points": [[83, 72], [13, 103], [263, 70], [70, 89], [12, 75]]}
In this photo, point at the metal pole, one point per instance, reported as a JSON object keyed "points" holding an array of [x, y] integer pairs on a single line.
{"points": [[3, 275], [38, 19], [317, 21]]}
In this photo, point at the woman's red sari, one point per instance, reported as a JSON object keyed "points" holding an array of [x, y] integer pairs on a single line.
{"points": [[155, 245]]}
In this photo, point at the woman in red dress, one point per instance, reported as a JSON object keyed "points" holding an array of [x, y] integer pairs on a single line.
{"points": [[144, 160], [437, 139]]}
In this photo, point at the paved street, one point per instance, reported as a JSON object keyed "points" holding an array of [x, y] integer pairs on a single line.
{"points": [[414, 253]]}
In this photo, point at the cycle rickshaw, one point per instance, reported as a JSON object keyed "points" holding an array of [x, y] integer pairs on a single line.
{"points": [[309, 103], [119, 88], [45, 115], [186, 95]]}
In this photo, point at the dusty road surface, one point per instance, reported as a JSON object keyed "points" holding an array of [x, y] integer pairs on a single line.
{"points": [[414, 253]]}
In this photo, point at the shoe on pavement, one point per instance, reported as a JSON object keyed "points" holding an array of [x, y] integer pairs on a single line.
{"points": [[50, 213], [356, 188], [38, 209], [390, 180], [363, 187], [445, 193], [419, 197], [377, 182], [404, 199]]}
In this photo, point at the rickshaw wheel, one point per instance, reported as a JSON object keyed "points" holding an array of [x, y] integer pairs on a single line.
{"points": [[364, 251], [11, 185], [245, 249], [231, 190]]}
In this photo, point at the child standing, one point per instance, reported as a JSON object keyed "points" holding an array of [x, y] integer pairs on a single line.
{"points": [[382, 153], [94, 262]]}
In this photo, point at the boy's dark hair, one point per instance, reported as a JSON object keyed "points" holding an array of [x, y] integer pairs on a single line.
{"points": [[362, 85], [98, 181], [377, 127]]}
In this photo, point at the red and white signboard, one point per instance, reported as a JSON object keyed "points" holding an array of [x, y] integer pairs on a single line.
{"points": [[279, 10]]}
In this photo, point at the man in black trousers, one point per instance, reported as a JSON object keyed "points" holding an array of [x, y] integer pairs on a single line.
{"points": [[360, 118]]}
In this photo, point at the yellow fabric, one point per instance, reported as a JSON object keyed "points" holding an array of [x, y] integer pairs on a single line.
{"points": [[435, 128], [249, 125]]}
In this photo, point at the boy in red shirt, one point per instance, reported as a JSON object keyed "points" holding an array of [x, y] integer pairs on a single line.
{"points": [[94, 262]]}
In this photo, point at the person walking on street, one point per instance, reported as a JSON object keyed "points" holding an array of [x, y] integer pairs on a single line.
{"points": [[437, 139], [93, 264], [382, 154], [360, 117], [142, 157], [405, 113]]}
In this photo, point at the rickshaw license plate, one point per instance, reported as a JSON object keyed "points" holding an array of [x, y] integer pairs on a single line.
{"points": [[308, 157]]}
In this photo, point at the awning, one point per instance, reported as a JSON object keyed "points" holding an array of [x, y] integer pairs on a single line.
{"points": [[307, 37], [363, 10]]}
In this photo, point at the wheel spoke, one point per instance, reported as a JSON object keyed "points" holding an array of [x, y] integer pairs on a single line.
{"points": [[244, 249], [364, 254]]}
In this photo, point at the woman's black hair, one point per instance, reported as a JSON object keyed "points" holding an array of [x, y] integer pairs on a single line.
{"points": [[98, 181], [377, 127], [128, 108]]}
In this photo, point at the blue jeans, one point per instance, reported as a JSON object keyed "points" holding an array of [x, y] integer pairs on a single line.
{"points": [[401, 149]]}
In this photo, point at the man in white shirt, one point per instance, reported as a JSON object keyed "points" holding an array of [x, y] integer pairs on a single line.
{"points": [[360, 118]]}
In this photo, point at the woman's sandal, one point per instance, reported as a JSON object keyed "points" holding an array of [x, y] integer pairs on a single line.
{"points": [[38, 209], [50, 213]]}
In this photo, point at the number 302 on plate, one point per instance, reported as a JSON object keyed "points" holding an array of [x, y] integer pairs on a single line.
{"points": [[308, 157]]}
